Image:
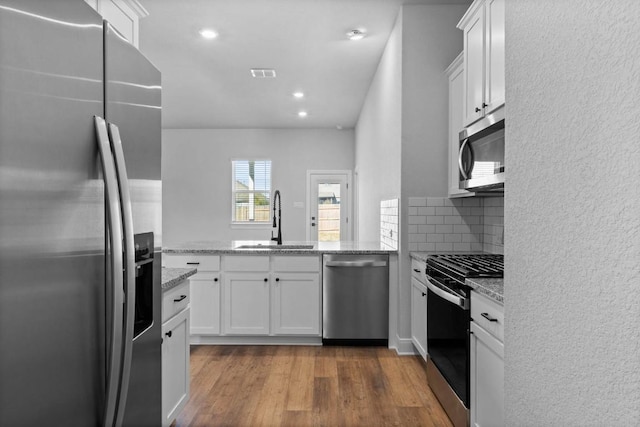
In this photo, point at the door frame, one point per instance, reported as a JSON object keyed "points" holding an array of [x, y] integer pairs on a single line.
{"points": [[349, 206]]}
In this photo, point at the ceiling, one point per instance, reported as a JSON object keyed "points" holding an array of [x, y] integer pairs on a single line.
{"points": [[208, 84]]}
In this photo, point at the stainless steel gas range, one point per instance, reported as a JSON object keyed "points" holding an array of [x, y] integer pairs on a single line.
{"points": [[448, 308]]}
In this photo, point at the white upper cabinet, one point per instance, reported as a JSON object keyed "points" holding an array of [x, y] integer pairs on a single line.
{"points": [[123, 15], [455, 73], [483, 28]]}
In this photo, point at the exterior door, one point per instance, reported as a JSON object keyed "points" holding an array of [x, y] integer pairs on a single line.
{"points": [[329, 206]]}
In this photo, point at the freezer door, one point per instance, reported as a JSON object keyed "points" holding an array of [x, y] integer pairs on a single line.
{"points": [[52, 220], [132, 104]]}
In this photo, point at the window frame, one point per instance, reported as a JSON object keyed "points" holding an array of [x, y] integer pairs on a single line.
{"points": [[249, 224]]}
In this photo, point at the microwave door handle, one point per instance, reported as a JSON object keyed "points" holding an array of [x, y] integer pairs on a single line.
{"points": [[454, 299], [130, 269], [115, 289], [461, 167]]}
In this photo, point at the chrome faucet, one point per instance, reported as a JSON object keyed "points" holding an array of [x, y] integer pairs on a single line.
{"points": [[279, 225]]}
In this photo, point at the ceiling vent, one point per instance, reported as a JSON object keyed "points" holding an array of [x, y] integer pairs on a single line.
{"points": [[263, 73]]}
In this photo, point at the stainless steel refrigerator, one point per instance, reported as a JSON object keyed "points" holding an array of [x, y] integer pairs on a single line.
{"points": [[80, 147]]}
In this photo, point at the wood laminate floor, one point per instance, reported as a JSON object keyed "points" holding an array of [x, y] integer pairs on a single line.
{"points": [[308, 386]]}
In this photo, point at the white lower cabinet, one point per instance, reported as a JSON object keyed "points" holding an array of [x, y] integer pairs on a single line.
{"points": [[246, 303], [295, 304], [419, 307], [487, 362], [205, 290], [175, 352], [419, 317], [252, 295], [278, 295], [205, 304]]}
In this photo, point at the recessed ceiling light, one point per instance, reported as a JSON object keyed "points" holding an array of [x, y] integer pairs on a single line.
{"points": [[298, 95], [208, 33], [356, 34], [302, 114]]}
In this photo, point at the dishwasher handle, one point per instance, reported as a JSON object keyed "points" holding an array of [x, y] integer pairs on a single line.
{"points": [[359, 263]]}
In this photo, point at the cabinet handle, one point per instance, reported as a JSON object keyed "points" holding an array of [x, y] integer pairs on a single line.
{"points": [[193, 263], [169, 334], [484, 105], [489, 318], [478, 110], [215, 279], [180, 299], [424, 295], [266, 280], [416, 270], [277, 279]]}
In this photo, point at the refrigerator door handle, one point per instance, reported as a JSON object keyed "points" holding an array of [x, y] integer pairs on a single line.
{"points": [[114, 219], [130, 266]]}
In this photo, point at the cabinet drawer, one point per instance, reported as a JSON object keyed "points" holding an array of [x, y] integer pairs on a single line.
{"points": [[488, 314], [296, 263], [418, 270], [175, 300], [199, 261], [246, 263]]}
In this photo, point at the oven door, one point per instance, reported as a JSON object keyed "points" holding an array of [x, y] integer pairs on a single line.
{"points": [[448, 336]]}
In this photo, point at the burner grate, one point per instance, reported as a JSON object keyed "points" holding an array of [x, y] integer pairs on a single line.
{"points": [[461, 266]]}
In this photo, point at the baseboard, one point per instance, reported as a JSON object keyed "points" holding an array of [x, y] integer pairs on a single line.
{"points": [[253, 340], [404, 346]]}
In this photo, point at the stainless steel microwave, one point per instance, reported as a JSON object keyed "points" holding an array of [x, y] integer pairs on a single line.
{"points": [[481, 154]]}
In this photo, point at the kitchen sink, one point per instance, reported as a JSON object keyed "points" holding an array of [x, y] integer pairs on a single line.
{"points": [[275, 247]]}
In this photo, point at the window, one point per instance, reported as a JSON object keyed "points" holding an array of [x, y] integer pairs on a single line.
{"points": [[251, 192]]}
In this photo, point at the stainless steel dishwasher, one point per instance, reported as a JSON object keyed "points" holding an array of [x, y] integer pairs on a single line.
{"points": [[355, 299]]}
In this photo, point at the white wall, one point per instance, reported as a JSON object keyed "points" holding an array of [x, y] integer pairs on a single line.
{"points": [[401, 136], [378, 139], [196, 175], [430, 43], [572, 213]]}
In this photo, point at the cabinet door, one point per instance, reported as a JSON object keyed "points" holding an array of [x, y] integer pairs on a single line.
{"points": [[494, 55], [205, 304], [474, 67], [296, 304], [175, 366], [419, 316], [246, 303], [487, 378], [456, 95]]}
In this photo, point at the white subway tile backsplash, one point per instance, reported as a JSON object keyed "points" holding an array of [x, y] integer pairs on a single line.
{"points": [[417, 201], [468, 224], [417, 219], [444, 247], [426, 228], [390, 224], [434, 238], [434, 219], [430, 210]]}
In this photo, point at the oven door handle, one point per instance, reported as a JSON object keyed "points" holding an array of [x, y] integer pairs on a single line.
{"points": [[454, 299]]}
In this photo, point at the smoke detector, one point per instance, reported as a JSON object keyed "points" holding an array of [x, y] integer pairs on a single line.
{"points": [[356, 34]]}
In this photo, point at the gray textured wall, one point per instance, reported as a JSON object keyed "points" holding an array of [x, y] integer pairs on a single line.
{"points": [[572, 213]]}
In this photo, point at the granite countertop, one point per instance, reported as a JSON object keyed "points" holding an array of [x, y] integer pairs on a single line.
{"points": [[420, 256], [173, 276], [289, 247], [492, 288]]}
